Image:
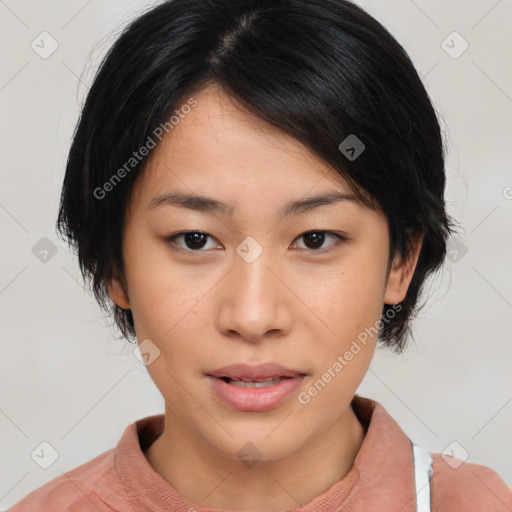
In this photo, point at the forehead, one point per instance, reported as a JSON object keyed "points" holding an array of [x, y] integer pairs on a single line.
{"points": [[219, 146]]}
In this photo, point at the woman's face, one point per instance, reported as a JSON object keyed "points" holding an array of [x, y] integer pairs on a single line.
{"points": [[251, 288]]}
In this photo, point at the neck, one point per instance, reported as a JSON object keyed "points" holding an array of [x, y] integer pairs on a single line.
{"points": [[209, 478]]}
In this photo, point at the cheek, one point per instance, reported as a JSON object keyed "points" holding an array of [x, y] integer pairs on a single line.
{"points": [[350, 304], [165, 311], [161, 294], [350, 298]]}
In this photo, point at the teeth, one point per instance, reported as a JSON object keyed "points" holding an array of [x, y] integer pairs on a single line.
{"points": [[260, 383]]}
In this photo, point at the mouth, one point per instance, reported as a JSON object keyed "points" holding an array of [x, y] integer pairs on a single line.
{"points": [[254, 373], [254, 388], [259, 383]]}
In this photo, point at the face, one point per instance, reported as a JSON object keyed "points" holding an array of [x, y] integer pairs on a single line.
{"points": [[252, 282]]}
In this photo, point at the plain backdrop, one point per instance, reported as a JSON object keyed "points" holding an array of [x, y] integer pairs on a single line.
{"points": [[68, 381]]}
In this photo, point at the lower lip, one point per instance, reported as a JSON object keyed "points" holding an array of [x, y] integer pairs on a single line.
{"points": [[255, 399]]}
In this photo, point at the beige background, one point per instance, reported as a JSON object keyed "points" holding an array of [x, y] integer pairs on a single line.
{"points": [[67, 381]]}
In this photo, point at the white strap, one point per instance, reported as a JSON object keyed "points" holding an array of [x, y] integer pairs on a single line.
{"points": [[422, 473]]}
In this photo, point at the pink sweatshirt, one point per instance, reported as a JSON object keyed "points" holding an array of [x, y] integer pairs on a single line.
{"points": [[380, 480]]}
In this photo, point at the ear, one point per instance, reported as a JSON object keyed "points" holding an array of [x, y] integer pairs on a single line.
{"points": [[117, 290], [401, 273]]}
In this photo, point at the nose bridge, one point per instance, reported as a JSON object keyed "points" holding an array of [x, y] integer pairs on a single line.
{"points": [[252, 270], [255, 302]]}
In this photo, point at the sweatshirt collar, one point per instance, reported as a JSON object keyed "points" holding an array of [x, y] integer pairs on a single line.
{"points": [[381, 478]]}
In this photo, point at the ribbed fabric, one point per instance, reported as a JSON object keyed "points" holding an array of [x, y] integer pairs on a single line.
{"points": [[380, 480]]}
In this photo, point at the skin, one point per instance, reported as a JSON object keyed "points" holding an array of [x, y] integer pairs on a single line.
{"points": [[296, 305]]}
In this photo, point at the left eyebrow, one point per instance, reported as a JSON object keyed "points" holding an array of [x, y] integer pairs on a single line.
{"points": [[210, 205]]}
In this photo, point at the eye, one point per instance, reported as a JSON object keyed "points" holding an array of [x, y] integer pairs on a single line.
{"points": [[194, 240], [315, 239]]}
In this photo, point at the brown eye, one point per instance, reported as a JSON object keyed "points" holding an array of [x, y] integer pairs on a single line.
{"points": [[193, 241], [314, 240]]}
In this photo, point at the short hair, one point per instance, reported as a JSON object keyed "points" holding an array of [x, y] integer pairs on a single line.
{"points": [[321, 71]]}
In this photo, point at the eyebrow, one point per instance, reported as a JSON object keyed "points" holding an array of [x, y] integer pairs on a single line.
{"points": [[210, 205]]}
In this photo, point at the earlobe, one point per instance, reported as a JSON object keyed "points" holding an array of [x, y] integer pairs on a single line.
{"points": [[401, 273], [118, 294]]}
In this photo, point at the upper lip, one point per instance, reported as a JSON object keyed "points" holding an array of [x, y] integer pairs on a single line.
{"points": [[254, 372]]}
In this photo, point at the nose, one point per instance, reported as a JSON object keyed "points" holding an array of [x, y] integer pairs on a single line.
{"points": [[255, 302]]}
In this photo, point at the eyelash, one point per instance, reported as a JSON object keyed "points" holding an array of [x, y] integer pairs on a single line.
{"points": [[340, 239]]}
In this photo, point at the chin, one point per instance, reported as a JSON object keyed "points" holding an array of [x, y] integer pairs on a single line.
{"points": [[258, 447]]}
